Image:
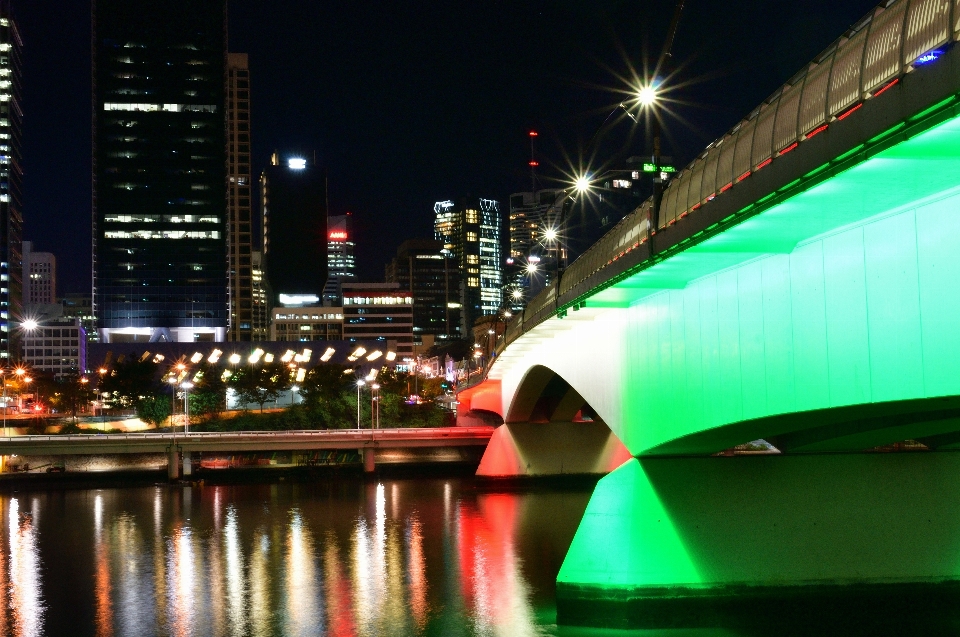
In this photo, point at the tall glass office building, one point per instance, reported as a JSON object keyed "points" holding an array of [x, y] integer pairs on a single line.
{"points": [[159, 170], [11, 215]]}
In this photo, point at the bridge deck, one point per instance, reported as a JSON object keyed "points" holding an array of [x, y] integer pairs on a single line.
{"points": [[250, 441]]}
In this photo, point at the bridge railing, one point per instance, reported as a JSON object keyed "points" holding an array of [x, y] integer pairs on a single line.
{"points": [[891, 40]]}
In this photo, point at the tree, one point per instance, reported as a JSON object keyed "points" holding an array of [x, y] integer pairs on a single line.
{"points": [[208, 397], [70, 393], [260, 384], [153, 410], [131, 381], [328, 393]]}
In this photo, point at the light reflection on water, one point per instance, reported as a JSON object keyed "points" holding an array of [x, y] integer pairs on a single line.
{"points": [[343, 559]]}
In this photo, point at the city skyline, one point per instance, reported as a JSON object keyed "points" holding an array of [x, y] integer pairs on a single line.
{"points": [[394, 130]]}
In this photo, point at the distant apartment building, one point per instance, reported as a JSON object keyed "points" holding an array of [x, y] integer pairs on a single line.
{"points": [[470, 233], [314, 323], [260, 322], [240, 277], [431, 277], [39, 276], [380, 311]]}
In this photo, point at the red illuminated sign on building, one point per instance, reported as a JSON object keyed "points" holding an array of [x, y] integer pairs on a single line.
{"points": [[338, 236]]}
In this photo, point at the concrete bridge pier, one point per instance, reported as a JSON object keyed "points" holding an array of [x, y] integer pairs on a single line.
{"points": [[187, 464], [173, 462], [673, 540], [369, 464], [526, 449]]}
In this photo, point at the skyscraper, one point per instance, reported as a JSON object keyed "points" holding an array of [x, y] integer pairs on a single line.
{"points": [[470, 232], [11, 171], [239, 242], [159, 167], [341, 265], [293, 198], [432, 279], [39, 276]]}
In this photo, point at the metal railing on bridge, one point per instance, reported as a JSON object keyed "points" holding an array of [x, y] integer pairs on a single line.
{"points": [[893, 39]]}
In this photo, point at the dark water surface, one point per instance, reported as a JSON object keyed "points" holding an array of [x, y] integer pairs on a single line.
{"points": [[435, 556]]}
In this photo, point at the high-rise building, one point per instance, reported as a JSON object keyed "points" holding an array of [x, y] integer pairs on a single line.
{"points": [[239, 241], [432, 279], [39, 276], [379, 311], [470, 232], [11, 172], [530, 214], [293, 198], [57, 346], [341, 265], [261, 307], [159, 167]]}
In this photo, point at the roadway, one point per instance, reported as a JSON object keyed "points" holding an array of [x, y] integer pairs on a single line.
{"points": [[247, 441]]}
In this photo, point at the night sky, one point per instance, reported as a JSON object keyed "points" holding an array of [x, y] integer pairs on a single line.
{"points": [[410, 103]]}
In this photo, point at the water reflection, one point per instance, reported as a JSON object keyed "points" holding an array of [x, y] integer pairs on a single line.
{"points": [[402, 558], [25, 601]]}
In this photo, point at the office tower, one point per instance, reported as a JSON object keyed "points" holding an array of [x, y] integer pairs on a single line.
{"points": [[379, 311], [79, 306], [11, 171], [530, 214], [159, 168], [57, 346], [341, 265], [239, 242], [470, 232], [293, 198], [39, 276], [259, 324], [432, 279]]}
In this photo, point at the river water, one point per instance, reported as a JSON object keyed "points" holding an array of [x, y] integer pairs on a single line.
{"points": [[338, 557]]}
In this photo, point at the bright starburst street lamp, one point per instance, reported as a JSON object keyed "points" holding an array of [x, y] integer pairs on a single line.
{"points": [[582, 183], [550, 234], [647, 95]]}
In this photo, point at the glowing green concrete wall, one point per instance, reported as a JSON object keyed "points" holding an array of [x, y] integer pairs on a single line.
{"points": [[845, 294]]}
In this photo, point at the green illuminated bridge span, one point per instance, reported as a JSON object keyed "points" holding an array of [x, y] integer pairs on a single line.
{"points": [[801, 288]]}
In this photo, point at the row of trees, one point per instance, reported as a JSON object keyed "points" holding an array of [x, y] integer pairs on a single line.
{"points": [[329, 395]]}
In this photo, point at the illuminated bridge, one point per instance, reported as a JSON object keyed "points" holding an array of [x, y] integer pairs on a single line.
{"points": [[801, 287]]}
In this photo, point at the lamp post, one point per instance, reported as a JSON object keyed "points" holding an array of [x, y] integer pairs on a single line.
{"points": [[360, 383], [103, 403], [172, 380], [375, 406], [4, 381], [186, 386]]}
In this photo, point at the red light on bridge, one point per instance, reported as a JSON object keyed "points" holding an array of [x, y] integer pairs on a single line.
{"points": [[789, 148], [816, 131], [534, 164]]}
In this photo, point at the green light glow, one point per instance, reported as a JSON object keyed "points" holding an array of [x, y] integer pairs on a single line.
{"points": [[834, 297], [640, 546]]}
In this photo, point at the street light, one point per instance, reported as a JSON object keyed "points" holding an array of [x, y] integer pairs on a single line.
{"points": [[374, 406], [103, 401], [186, 386], [647, 95], [360, 383]]}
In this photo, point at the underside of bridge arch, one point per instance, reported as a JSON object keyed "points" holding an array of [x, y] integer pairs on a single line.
{"points": [[550, 429]]}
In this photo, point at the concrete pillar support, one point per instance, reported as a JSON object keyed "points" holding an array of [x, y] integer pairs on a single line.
{"points": [[173, 463], [668, 538], [187, 464], [368, 460], [551, 448]]}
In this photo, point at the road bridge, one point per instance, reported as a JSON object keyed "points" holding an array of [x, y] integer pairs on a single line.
{"points": [[798, 286], [177, 445]]}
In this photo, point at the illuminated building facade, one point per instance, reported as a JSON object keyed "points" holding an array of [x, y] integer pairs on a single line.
{"points": [[261, 308], [530, 213], [40, 276], [432, 279], [239, 242], [159, 167], [341, 264], [379, 311], [293, 198], [470, 233], [307, 324], [57, 346], [11, 171]]}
